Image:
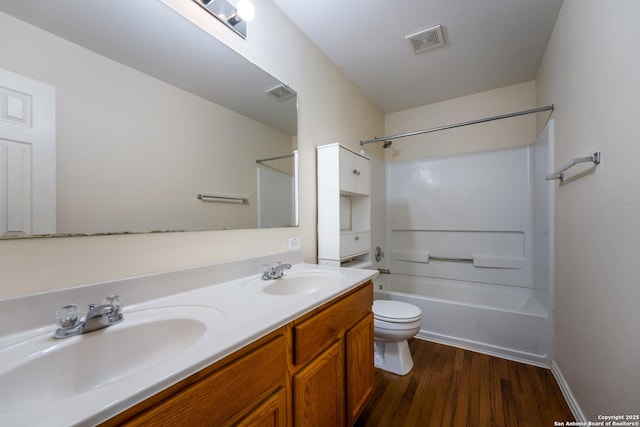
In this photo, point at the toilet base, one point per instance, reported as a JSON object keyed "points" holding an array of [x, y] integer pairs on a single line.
{"points": [[393, 356]]}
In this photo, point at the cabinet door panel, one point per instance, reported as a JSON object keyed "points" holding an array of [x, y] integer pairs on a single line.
{"points": [[360, 370], [363, 175], [313, 334], [226, 393], [270, 413], [347, 170], [355, 172], [318, 391]]}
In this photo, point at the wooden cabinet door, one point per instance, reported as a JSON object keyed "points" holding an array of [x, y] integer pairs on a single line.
{"points": [[270, 413], [318, 390], [359, 364], [246, 387]]}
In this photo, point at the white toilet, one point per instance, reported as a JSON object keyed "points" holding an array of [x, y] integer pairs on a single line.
{"points": [[394, 322]]}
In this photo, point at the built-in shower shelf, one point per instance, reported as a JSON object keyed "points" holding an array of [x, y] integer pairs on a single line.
{"points": [[411, 256], [498, 261], [481, 261]]}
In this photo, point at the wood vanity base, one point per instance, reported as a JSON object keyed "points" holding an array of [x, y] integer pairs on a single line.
{"points": [[315, 371]]}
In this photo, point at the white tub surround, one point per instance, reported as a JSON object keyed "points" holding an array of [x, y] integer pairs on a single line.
{"points": [[510, 322], [469, 241], [243, 314]]}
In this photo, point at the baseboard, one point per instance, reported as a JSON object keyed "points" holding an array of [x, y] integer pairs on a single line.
{"points": [[566, 392], [491, 350]]}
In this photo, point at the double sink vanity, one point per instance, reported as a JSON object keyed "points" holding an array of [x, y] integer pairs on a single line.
{"points": [[210, 345]]}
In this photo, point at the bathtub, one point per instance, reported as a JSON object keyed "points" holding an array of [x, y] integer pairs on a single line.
{"points": [[505, 321]]}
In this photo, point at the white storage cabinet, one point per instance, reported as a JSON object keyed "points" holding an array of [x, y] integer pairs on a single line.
{"points": [[344, 207]]}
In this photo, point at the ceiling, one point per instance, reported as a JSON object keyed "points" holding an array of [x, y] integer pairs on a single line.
{"points": [[488, 44]]}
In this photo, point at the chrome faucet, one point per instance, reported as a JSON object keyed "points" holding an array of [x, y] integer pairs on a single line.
{"points": [[275, 272], [97, 317]]}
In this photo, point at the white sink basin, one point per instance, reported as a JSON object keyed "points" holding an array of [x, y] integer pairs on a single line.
{"points": [[44, 370], [299, 282]]}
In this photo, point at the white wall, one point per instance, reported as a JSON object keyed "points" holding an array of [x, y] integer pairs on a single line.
{"points": [[486, 136], [331, 109], [591, 73]]}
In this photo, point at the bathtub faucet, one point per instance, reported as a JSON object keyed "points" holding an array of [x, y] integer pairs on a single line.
{"points": [[275, 272], [97, 317]]}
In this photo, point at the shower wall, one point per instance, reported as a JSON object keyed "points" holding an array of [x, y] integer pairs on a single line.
{"points": [[466, 217], [468, 240], [378, 210], [542, 217]]}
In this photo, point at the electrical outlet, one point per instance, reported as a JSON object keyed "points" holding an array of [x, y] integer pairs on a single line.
{"points": [[294, 243]]}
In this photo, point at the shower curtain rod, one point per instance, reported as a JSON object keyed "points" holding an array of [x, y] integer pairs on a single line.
{"points": [[286, 156], [457, 125]]}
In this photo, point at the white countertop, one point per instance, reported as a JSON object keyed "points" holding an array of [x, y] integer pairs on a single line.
{"points": [[244, 314]]}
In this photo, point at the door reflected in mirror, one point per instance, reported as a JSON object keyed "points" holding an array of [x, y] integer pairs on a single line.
{"points": [[149, 113]]}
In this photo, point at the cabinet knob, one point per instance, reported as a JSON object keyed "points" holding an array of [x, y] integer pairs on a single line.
{"points": [[357, 237], [358, 173], [355, 171]]}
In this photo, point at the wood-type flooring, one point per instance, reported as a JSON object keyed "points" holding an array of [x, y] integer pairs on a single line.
{"points": [[450, 386]]}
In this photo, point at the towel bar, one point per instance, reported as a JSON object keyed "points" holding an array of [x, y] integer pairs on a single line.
{"points": [[559, 174], [213, 198]]}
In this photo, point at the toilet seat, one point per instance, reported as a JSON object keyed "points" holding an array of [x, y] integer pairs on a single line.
{"points": [[397, 326], [396, 311]]}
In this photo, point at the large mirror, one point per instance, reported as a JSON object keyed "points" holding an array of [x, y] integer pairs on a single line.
{"points": [[158, 125]]}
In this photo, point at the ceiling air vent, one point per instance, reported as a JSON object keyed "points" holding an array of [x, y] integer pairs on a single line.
{"points": [[281, 92], [426, 40]]}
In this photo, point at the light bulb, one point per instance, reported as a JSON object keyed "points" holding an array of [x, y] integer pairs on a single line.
{"points": [[245, 10]]}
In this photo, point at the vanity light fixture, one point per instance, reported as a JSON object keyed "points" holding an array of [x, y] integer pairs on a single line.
{"points": [[235, 18]]}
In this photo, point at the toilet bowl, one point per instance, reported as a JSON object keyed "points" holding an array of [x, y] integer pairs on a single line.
{"points": [[394, 322]]}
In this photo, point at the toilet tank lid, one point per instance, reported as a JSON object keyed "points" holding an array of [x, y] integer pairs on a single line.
{"points": [[395, 310]]}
